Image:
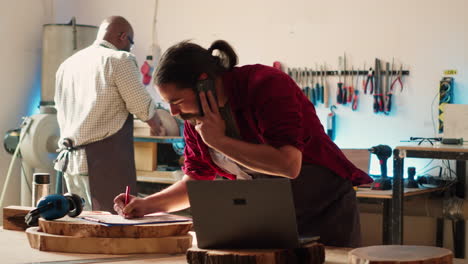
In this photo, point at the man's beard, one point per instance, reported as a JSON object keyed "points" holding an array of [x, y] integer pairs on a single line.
{"points": [[189, 117]]}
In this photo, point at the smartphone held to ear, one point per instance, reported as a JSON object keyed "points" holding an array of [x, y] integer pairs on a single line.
{"points": [[205, 86]]}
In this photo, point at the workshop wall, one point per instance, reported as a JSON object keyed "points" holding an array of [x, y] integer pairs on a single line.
{"points": [[427, 37], [20, 49]]}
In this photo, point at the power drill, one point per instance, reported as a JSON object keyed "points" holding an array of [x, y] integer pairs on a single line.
{"points": [[55, 206], [383, 152]]}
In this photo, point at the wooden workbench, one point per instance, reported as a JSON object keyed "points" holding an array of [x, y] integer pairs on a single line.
{"points": [[387, 194], [459, 153], [14, 248]]}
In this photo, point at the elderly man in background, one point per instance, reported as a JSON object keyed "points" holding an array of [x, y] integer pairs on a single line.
{"points": [[98, 90]]}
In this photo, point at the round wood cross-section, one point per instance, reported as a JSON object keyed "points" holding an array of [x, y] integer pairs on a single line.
{"points": [[400, 254], [78, 228]]}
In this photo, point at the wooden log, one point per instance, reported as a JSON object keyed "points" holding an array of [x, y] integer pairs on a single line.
{"points": [[389, 254], [99, 245], [313, 253], [13, 217], [68, 226]]}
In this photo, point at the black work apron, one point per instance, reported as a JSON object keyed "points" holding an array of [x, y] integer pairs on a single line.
{"points": [[111, 167], [326, 206]]}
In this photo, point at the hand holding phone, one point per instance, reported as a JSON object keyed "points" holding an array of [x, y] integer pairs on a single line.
{"points": [[205, 86]]}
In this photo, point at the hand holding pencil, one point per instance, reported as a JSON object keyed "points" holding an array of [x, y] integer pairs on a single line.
{"points": [[128, 206]]}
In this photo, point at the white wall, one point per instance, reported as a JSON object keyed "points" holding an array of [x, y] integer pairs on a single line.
{"points": [[426, 36], [21, 33]]}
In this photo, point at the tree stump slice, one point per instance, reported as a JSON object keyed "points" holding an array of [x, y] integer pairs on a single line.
{"points": [[13, 217], [388, 254], [68, 226], [99, 245], [313, 253]]}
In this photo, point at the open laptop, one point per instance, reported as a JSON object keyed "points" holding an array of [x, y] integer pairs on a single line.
{"points": [[244, 214]]}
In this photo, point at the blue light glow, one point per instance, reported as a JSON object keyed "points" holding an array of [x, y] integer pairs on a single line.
{"points": [[34, 95]]}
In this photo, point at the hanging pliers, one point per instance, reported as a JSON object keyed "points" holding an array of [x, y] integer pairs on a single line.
{"points": [[369, 80]]}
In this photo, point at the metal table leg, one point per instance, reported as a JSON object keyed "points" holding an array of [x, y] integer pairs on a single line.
{"points": [[440, 232], [386, 228], [396, 219], [459, 236]]}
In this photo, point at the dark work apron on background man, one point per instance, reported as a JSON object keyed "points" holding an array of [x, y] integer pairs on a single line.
{"points": [[111, 167]]}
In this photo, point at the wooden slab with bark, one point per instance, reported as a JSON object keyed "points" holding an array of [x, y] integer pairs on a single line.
{"points": [[313, 253], [68, 226], [13, 217], [100, 245]]}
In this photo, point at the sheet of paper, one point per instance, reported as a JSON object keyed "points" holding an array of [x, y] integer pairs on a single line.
{"points": [[110, 220]]}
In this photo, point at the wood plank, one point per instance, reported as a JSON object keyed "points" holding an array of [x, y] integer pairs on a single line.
{"points": [[166, 177], [387, 194], [313, 253], [68, 226], [99, 245], [436, 147], [400, 254], [146, 156], [13, 217]]}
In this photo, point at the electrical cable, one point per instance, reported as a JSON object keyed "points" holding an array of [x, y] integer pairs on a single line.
{"points": [[10, 168], [426, 171], [24, 126], [432, 114], [425, 166]]}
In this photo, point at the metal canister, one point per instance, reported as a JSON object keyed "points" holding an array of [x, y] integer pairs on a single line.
{"points": [[40, 186]]}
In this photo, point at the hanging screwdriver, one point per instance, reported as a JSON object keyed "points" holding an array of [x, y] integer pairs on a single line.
{"points": [[355, 100], [339, 93], [318, 92], [388, 95], [377, 77], [344, 100], [325, 86], [351, 86]]}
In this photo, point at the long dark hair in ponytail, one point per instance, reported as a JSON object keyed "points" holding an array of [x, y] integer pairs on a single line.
{"points": [[183, 63]]}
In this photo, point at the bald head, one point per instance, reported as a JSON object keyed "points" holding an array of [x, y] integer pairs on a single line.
{"points": [[118, 31]]}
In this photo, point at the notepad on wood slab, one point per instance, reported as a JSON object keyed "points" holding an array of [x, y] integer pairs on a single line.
{"points": [[112, 220]]}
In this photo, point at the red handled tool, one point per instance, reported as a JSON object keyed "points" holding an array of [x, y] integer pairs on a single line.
{"points": [[369, 81], [398, 79], [339, 93], [331, 120]]}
